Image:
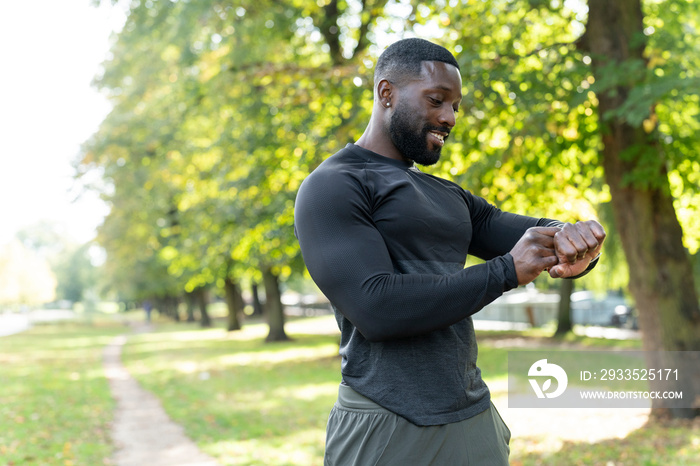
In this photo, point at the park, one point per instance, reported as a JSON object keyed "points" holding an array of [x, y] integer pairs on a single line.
{"points": [[243, 401], [189, 330]]}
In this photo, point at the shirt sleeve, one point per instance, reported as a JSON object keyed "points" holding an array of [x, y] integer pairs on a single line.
{"points": [[349, 261], [496, 232]]}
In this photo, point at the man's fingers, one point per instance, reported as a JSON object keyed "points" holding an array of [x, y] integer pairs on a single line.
{"points": [[556, 271], [592, 232], [534, 252], [567, 248], [549, 262], [544, 235], [546, 231], [575, 242], [597, 230], [564, 252], [588, 237]]}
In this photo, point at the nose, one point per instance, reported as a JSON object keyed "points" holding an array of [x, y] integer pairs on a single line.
{"points": [[448, 116]]}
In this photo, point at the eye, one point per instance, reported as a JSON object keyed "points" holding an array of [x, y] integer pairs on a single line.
{"points": [[434, 101]]}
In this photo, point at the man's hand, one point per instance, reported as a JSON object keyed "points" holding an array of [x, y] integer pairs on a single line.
{"points": [[534, 252], [575, 247]]}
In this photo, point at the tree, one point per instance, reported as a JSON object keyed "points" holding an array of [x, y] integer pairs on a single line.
{"points": [[234, 301], [636, 166], [25, 277], [69, 261], [274, 307], [535, 74], [75, 273], [220, 112], [564, 309]]}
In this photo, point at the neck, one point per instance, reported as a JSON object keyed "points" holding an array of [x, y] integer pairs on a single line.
{"points": [[378, 141]]}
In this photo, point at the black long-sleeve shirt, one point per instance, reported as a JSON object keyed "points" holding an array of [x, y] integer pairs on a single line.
{"points": [[387, 244]]}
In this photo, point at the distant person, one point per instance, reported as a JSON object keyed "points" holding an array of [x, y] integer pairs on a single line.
{"points": [[387, 244], [147, 307]]}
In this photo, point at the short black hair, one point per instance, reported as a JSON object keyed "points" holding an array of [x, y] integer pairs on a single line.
{"points": [[402, 60]]}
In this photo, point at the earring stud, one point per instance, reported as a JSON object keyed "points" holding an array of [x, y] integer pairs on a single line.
{"points": [[388, 104]]}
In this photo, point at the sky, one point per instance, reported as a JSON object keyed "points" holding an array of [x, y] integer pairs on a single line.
{"points": [[50, 51]]}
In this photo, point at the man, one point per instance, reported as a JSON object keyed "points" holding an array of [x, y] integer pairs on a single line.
{"points": [[387, 244]]}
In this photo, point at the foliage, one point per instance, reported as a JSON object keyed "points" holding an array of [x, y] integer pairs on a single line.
{"points": [[673, 80], [636, 169], [75, 273], [531, 139], [221, 109], [214, 127], [70, 263], [526, 126]]}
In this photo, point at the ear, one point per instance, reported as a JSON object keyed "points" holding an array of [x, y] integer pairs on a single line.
{"points": [[385, 93]]}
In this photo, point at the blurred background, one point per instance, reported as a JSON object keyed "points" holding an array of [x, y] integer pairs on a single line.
{"points": [[152, 151]]}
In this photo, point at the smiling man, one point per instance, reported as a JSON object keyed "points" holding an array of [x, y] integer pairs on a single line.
{"points": [[388, 244]]}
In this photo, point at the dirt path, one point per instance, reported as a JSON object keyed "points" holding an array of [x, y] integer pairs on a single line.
{"points": [[142, 432]]}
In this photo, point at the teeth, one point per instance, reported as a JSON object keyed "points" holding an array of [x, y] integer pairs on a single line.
{"points": [[439, 136]]}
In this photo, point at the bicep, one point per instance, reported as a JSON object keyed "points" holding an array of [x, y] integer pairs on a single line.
{"points": [[342, 249]]}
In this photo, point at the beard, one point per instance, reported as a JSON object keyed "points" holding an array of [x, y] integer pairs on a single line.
{"points": [[413, 143]]}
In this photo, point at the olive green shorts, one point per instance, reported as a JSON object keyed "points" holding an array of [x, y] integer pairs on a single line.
{"points": [[362, 433]]}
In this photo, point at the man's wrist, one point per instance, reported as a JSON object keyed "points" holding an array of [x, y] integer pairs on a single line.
{"points": [[590, 267]]}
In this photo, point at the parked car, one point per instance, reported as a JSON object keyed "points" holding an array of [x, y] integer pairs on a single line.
{"points": [[612, 309]]}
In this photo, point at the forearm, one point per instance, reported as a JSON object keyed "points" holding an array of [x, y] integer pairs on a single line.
{"points": [[387, 306]]}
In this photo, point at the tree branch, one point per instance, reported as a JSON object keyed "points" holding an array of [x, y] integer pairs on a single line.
{"points": [[328, 24], [373, 12]]}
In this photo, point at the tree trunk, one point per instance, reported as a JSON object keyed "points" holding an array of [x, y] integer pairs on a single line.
{"points": [[202, 299], [274, 308], [234, 302], [661, 275], [190, 306], [564, 311], [257, 306], [173, 305]]}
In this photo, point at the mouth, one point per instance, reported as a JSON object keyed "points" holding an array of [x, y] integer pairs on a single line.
{"points": [[438, 137]]}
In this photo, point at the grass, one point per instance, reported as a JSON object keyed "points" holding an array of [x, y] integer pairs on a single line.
{"points": [[55, 404], [247, 402], [543, 336], [674, 443], [242, 400]]}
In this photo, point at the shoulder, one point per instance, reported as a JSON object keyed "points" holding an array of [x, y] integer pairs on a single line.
{"points": [[335, 168], [339, 176]]}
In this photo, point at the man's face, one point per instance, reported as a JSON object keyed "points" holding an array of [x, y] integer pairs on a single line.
{"points": [[425, 113]]}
